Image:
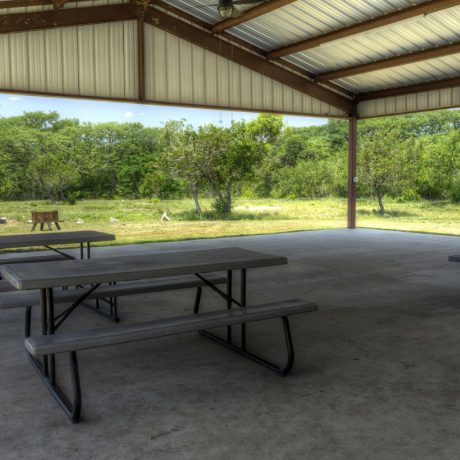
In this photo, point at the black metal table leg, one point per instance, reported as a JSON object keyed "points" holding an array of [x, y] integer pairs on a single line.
{"points": [[243, 304], [196, 305], [44, 325], [229, 302], [47, 369], [50, 316], [280, 370], [72, 408]]}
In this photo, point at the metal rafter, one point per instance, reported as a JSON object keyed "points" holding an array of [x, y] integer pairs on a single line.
{"points": [[410, 89], [23, 3], [404, 59], [252, 13], [227, 36], [245, 58], [381, 21], [21, 22]]}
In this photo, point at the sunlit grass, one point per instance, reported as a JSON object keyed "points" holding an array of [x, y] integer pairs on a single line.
{"points": [[139, 220]]}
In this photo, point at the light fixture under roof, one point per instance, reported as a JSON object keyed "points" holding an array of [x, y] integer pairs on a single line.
{"points": [[228, 8], [225, 11]]}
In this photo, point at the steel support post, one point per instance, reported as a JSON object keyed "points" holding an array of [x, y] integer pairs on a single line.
{"points": [[352, 179]]}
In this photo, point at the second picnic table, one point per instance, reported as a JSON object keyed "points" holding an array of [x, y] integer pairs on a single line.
{"points": [[49, 240]]}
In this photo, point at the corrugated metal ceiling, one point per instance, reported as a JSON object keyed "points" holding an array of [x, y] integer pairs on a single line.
{"points": [[424, 32], [434, 69], [304, 19], [300, 20]]}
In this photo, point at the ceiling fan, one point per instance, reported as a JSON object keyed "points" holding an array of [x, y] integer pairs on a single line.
{"points": [[228, 8]]}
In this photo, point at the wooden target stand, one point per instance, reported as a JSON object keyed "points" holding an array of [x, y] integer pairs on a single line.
{"points": [[45, 217]]}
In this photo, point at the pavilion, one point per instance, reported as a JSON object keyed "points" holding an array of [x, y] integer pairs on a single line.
{"points": [[349, 60], [377, 371]]}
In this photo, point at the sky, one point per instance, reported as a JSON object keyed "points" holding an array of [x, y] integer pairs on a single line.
{"points": [[148, 115]]}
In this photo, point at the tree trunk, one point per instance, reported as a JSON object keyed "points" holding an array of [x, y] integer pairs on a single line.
{"points": [[380, 200], [194, 190], [229, 195]]}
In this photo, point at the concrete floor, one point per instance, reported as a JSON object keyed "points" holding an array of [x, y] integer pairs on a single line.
{"points": [[377, 372]]}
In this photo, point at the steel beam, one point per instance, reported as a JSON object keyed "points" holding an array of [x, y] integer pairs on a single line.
{"points": [[244, 44], [245, 58], [23, 3], [37, 20], [410, 89], [381, 21], [352, 153], [404, 59]]}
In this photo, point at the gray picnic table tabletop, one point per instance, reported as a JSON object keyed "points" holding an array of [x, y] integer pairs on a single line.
{"points": [[134, 267], [48, 239]]}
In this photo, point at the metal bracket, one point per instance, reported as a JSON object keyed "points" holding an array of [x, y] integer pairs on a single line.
{"points": [[242, 351]]}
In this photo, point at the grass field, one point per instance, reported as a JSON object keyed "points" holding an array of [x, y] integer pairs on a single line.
{"points": [[139, 220]]}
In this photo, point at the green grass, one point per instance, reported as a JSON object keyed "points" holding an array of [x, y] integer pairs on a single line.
{"points": [[139, 220]]}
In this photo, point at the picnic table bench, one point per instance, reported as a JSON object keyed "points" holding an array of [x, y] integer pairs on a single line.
{"points": [[75, 297], [41, 350]]}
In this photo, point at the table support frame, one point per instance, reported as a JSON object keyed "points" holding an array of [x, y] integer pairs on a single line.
{"points": [[242, 349], [46, 368]]}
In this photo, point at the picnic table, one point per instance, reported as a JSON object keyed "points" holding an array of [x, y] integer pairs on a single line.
{"points": [[92, 273], [48, 240]]}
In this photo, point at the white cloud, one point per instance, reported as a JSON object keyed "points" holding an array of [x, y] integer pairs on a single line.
{"points": [[128, 114], [14, 98]]}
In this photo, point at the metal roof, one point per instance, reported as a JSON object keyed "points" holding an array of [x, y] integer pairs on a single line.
{"points": [[436, 29], [27, 53], [308, 18]]}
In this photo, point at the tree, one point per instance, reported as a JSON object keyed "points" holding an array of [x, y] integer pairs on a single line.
{"points": [[385, 163], [228, 158], [182, 157]]}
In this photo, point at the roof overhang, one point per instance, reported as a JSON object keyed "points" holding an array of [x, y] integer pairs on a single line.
{"points": [[369, 65]]}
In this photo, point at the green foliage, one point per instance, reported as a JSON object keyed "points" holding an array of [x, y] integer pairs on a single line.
{"points": [[409, 157], [385, 165]]}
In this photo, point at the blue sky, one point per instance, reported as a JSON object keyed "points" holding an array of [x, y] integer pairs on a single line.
{"points": [[148, 115]]}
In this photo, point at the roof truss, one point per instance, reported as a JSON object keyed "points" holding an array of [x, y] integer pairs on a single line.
{"points": [[232, 38], [192, 29], [391, 62], [245, 58], [20, 22], [407, 13], [22, 3], [410, 89]]}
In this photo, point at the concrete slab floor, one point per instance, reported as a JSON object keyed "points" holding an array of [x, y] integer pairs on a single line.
{"points": [[377, 372]]}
